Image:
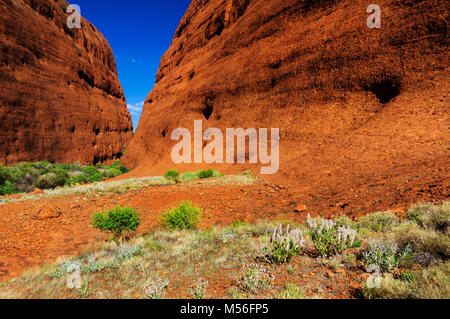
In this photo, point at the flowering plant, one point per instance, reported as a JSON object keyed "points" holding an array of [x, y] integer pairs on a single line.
{"points": [[328, 238], [286, 244]]}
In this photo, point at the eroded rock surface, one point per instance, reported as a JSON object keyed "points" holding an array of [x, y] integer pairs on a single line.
{"points": [[61, 99]]}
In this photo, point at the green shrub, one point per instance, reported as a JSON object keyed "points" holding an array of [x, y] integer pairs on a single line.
{"points": [[173, 176], [67, 167], [189, 176], [79, 179], [381, 221], [89, 170], [97, 177], [116, 221], [62, 177], [111, 172], [8, 189], [25, 177], [407, 275], [183, 217], [208, 173], [123, 169], [4, 175]]}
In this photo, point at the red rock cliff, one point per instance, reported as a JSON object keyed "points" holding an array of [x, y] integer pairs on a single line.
{"points": [[354, 105], [61, 99]]}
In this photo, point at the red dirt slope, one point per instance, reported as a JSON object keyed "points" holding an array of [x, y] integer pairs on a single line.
{"points": [[61, 99]]}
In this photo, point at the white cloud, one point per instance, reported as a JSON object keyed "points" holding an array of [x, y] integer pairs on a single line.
{"points": [[136, 108]]}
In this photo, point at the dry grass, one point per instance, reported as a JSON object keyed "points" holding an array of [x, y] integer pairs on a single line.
{"points": [[231, 262]]}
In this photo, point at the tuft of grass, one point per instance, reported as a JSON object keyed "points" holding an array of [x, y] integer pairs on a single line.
{"points": [[423, 240], [254, 278], [433, 217], [430, 283], [185, 216], [381, 221], [198, 289], [291, 291]]}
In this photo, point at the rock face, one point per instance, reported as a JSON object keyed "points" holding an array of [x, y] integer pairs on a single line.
{"points": [[61, 99], [355, 105]]}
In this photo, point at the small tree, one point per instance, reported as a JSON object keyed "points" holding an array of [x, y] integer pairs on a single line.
{"points": [[116, 221], [185, 216]]}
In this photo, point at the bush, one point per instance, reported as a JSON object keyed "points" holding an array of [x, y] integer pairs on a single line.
{"points": [[123, 169], [7, 189], [116, 221], [67, 167], [381, 221], [89, 171], [79, 179], [45, 181], [97, 177], [28, 179], [208, 174], [61, 177], [173, 176], [424, 240], [385, 254], [328, 238], [111, 172], [286, 244], [55, 178], [25, 177], [183, 217], [189, 176], [4, 175], [432, 217]]}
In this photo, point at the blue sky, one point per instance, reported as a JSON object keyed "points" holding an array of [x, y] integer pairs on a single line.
{"points": [[139, 32]]}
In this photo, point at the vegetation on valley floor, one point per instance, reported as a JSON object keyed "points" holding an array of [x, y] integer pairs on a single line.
{"points": [[403, 259]]}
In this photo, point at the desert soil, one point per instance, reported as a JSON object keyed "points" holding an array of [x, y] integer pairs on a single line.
{"points": [[45, 227]]}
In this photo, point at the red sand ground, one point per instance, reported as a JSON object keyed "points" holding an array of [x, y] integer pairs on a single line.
{"points": [[27, 241]]}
